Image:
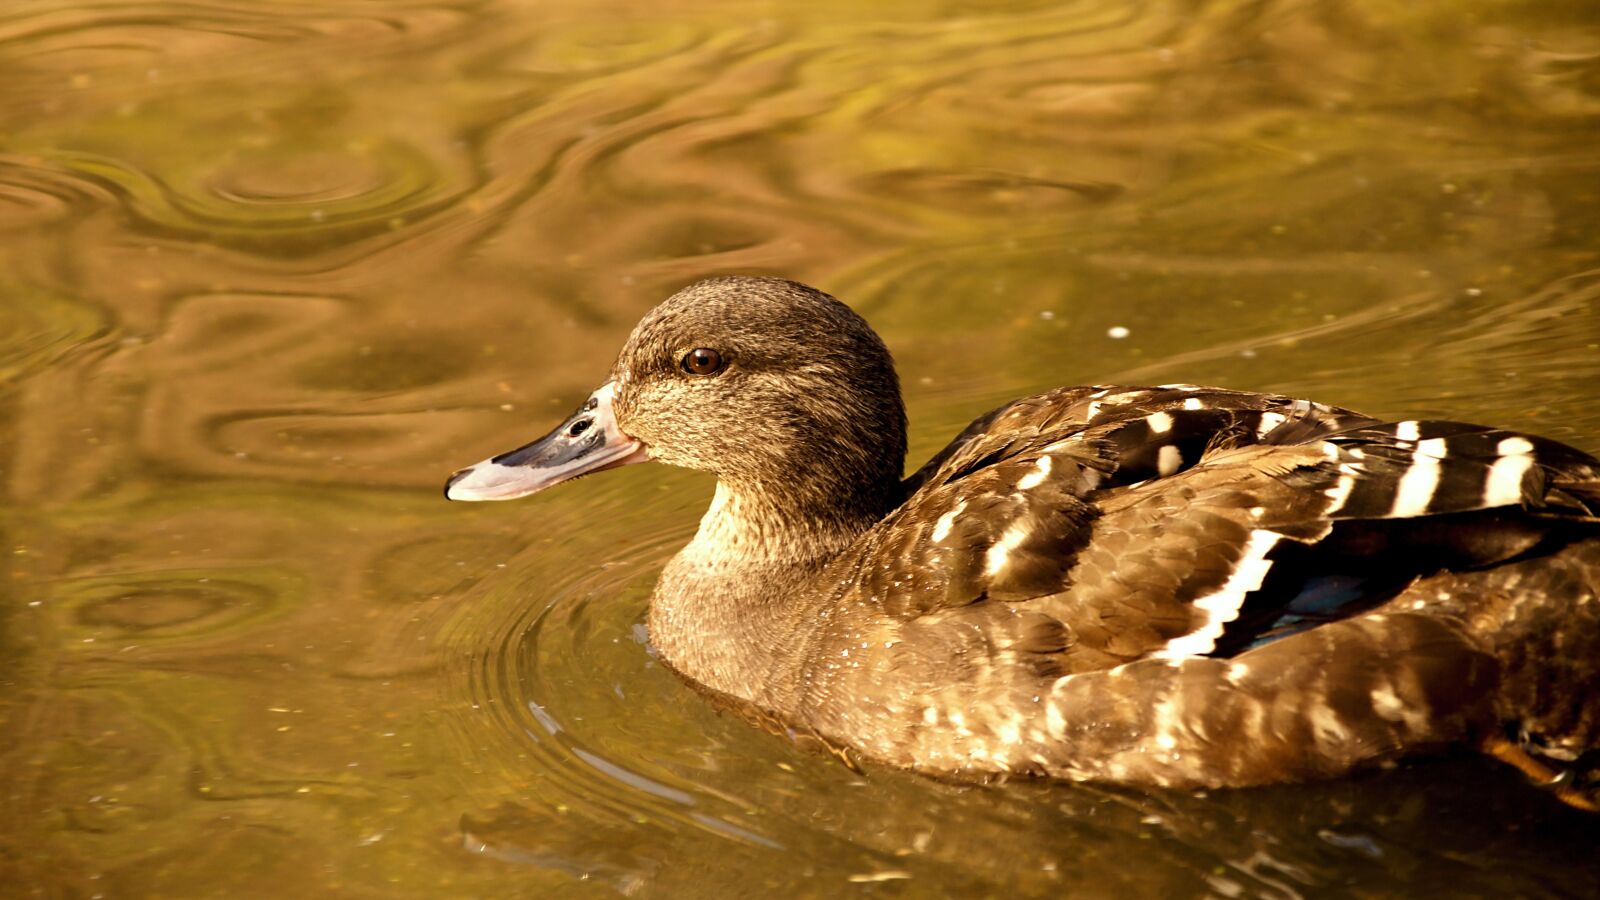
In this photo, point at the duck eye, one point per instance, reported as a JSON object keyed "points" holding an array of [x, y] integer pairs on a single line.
{"points": [[702, 361]]}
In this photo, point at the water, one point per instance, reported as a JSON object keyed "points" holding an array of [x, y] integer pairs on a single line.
{"points": [[268, 272]]}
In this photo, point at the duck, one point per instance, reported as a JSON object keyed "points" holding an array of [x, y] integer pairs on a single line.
{"points": [[1167, 586]]}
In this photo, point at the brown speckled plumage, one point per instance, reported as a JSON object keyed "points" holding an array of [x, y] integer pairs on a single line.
{"points": [[1159, 585]]}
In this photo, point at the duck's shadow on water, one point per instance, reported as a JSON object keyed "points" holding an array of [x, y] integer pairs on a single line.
{"points": [[1460, 824]]}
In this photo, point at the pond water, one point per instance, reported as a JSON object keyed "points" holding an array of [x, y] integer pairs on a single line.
{"points": [[270, 271]]}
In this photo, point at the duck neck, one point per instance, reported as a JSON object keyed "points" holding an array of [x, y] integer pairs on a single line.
{"points": [[789, 524], [735, 609]]}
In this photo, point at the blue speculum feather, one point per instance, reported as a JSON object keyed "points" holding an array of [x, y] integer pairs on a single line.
{"points": [[1323, 598]]}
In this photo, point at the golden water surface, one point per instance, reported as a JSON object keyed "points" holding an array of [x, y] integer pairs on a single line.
{"points": [[270, 270]]}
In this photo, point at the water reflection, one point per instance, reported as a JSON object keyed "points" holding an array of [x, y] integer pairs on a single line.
{"points": [[268, 271]]}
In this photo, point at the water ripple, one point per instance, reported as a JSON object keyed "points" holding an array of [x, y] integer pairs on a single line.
{"points": [[271, 269]]}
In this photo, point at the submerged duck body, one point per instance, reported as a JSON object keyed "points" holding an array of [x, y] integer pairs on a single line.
{"points": [[1173, 585]]}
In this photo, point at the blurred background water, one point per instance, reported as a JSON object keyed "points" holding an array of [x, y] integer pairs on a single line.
{"points": [[270, 270]]}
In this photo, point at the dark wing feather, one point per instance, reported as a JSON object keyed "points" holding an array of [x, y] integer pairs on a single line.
{"points": [[1410, 469]]}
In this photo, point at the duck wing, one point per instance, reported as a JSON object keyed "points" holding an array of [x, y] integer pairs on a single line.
{"points": [[1002, 512], [1139, 432], [1090, 527]]}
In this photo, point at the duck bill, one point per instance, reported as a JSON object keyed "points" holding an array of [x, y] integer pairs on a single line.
{"points": [[588, 441]]}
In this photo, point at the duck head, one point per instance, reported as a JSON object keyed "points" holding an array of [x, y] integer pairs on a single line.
{"points": [[782, 391]]}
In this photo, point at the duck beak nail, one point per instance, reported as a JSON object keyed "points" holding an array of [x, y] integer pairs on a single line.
{"points": [[457, 476]]}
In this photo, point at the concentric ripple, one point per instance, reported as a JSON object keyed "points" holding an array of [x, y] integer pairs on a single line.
{"points": [[581, 741]]}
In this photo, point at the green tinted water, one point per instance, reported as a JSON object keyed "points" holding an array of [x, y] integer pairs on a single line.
{"points": [[270, 271]]}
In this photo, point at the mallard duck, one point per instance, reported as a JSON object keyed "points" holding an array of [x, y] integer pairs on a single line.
{"points": [[1171, 586]]}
